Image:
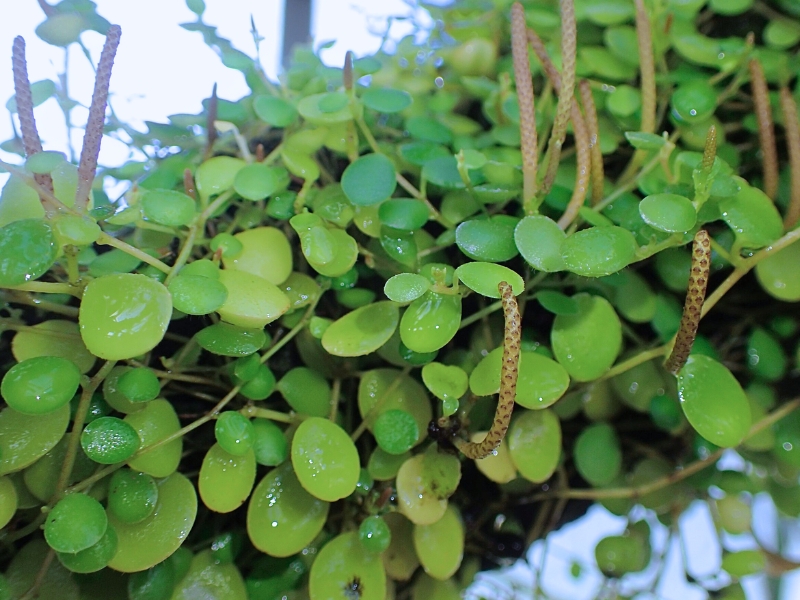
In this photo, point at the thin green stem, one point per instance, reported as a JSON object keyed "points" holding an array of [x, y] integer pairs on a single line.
{"points": [[46, 287], [77, 428], [266, 413], [107, 240]]}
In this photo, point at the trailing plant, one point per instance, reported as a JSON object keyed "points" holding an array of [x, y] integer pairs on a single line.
{"points": [[370, 328]]}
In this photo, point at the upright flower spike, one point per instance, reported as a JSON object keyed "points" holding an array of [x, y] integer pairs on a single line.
{"points": [[710, 149], [508, 380], [24, 100], [566, 93], [347, 72], [527, 115], [693, 306], [790, 123], [97, 116], [211, 120], [593, 131], [766, 127], [647, 70], [582, 174]]}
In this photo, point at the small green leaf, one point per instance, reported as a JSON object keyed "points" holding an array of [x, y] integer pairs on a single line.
{"points": [[484, 277], [362, 331], [386, 100], [406, 287], [539, 240], [557, 303], [369, 180], [645, 141], [668, 212], [275, 111], [444, 381]]}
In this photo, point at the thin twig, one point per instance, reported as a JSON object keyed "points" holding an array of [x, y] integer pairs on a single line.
{"points": [[792, 127], [527, 114], [766, 127], [97, 116], [593, 130]]}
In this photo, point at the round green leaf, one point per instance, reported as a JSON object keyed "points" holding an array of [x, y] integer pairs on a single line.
{"points": [[598, 251], [541, 380], [325, 109], [406, 287], [444, 381], [713, 401], [362, 331], [443, 171], [369, 180], [148, 542], [557, 303], [484, 277], [539, 241], [168, 207], [587, 343], [230, 340], [668, 212], [403, 213], [386, 100], [490, 240], [419, 153], [275, 111], [693, 102], [779, 274], [27, 250], [257, 181], [753, 217]]}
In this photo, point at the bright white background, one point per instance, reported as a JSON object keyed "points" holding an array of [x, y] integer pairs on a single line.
{"points": [[162, 69]]}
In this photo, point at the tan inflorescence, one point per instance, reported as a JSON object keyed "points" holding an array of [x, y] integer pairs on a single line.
{"points": [[508, 380], [693, 307], [527, 118]]}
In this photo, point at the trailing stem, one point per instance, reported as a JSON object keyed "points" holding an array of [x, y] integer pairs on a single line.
{"points": [[527, 115], [593, 131], [790, 123], [566, 93], [766, 127], [693, 306], [97, 116], [508, 380]]}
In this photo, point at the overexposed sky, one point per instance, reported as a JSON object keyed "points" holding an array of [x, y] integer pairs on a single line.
{"points": [[162, 69]]}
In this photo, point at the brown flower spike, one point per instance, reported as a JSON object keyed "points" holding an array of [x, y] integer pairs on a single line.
{"points": [[527, 115], [593, 130], [693, 307], [766, 127], [792, 127], [508, 380]]}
